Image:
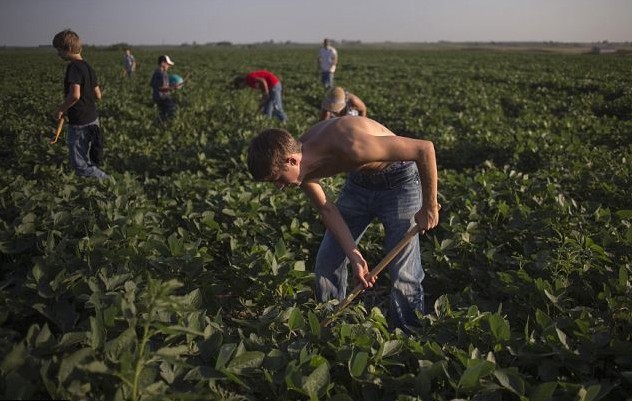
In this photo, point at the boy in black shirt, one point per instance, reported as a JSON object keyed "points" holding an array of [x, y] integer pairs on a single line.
{"points": [[85, 142]]}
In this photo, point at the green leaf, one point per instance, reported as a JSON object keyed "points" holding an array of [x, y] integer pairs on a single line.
{"points": [[499, 327], [562, 337], [317, 381], [510, 380], [173, 352], [623, 276], [246, 361], [589, 394], [279, 249], [391, 348], [14, 359], [442, 307], [225, 352], [314, 323], [126, 341], [471, 377], [624, 214], [543, 319], [97, 333], [95, 367], [193, 299], [69, 363], [295, 320], [358, 363]]}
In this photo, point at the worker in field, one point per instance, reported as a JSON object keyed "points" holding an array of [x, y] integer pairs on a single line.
{"points": [[162, 88], [81, 91], [271, 103], [339, 102], [129, 63], [327, 62], [391, 178]]}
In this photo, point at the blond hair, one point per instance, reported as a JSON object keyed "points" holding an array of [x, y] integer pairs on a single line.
{"points": [[68, 41]]}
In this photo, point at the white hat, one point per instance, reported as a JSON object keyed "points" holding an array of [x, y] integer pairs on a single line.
{"points": [[166, 59]]}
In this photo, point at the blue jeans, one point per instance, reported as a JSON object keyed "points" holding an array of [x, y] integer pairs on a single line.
{"points": [[274, 104], [79, 142], [166, 108], [327, 78], [393, 196]]}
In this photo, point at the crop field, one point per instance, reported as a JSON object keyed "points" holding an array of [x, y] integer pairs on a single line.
{"points": [[180, 278]]}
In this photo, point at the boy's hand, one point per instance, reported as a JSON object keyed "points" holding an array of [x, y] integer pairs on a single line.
{"points": [[427, 218], [361, 270], [57, 114]]}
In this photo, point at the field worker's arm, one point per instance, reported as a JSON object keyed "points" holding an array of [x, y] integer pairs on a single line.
{"points": [[393, 148], [358, 104], [325, 115], [336, 225], [263, 85], [73, 97], [97, 92]]}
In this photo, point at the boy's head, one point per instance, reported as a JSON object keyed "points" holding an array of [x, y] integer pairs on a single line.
{"points": [[67, 41], [335, 100], [165, 61], [239, 82], [268, 151]]}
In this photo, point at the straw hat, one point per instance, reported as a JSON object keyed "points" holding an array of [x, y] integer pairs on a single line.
{"points": [[334, 100]]}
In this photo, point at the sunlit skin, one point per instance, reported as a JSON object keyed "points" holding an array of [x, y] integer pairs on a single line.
{"points": [[356, 144]]}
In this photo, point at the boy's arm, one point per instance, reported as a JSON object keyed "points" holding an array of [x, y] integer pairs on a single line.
{"points": [[369, 148], [338, 228], [358, 104], [97, 92], [263, 85], [73, 97]]}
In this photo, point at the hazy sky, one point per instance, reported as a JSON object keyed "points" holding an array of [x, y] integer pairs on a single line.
{"points": [[103, 22]]}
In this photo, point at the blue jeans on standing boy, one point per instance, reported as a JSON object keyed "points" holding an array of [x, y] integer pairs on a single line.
{"points": [[327, 78], [274, 104], [80, 142], [393, 196]]}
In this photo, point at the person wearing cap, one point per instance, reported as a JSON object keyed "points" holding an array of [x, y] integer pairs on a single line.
{"points": [[161, 90], [327, 61], [271, 91], [338, 103]]}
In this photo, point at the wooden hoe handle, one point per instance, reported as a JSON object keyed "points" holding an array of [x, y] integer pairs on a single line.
{"points": [[60, 125], [377, 270]]}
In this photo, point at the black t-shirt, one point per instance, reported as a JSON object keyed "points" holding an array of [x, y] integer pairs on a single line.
{"points": [[85, 110]]}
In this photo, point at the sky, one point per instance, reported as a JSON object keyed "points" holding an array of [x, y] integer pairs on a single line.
{"points": [[155, 22]]}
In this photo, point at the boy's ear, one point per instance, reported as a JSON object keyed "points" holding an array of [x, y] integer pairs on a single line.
{"points": [[291, 160]]}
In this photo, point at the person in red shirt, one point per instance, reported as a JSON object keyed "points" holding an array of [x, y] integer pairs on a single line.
{"points": [[271, 91]]}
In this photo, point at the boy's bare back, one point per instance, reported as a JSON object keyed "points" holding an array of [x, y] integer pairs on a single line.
{"points": [[352, 144]]}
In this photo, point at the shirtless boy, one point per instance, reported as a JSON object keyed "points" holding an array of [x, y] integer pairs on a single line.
{"points": [[391, 178]]}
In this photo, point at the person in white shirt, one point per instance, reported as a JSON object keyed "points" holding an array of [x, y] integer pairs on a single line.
{"points": [[327, 60]]}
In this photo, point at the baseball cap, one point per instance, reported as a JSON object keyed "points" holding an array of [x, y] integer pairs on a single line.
{"points": [[334, 100], [166, 59]]}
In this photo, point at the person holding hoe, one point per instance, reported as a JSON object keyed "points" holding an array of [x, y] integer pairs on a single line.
{"points": [[391, 178], [81, 90]]}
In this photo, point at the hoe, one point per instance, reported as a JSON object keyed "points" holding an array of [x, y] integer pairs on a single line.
{"points": [[373, 273]]}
